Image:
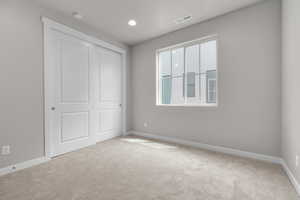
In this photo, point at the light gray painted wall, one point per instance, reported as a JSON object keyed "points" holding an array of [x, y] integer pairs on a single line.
{"points": [[21, 76], [291, 83], [248, 117]]}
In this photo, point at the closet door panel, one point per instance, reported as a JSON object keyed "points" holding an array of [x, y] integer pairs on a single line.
{"points": [[109, 89], [72, 118]]}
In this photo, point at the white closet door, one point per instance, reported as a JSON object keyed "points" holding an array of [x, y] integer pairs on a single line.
{"points": [[72, 117], [108, 93]]}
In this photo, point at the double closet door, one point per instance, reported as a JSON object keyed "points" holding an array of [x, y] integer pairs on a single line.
{"points": [[85, 93]]}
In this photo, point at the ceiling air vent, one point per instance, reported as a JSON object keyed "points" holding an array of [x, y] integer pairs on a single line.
{"points": [[184, 19]]}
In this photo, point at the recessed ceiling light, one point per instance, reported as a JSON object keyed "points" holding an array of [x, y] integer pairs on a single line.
{"points": [[183, 19], [132, 22], [77, 15]]}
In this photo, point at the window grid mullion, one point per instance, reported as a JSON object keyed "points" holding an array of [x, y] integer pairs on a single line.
{"points": [[171, 77], [200, 73], [184, 74]]}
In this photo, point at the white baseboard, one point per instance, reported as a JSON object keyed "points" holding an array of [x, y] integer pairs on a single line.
{"points": [[125, 133], [291, 176], [23, 165], [107, 136], [226, 150]]}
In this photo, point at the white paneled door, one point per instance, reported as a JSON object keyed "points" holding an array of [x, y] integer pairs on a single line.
{"points": [[108, 103], [85, 93]]}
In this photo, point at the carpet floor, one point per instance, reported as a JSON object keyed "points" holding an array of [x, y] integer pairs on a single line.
{"points": [[132, 168]]}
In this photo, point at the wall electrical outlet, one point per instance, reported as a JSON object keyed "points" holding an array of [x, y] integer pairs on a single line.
{"points": [[5, 150], [297, 160], [145, 124]]}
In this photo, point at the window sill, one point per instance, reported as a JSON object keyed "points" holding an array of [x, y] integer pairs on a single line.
{"points": [[189, 105]]}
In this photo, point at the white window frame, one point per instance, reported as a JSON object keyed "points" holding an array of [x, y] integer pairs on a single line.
{"points": [[184, 45]]}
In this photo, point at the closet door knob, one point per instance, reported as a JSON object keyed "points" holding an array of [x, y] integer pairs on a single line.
{"points": [[52, 108]]}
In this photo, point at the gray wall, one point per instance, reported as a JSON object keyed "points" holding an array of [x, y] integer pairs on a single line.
{"points": [[248, 116], [291, 83], [21, 77]]}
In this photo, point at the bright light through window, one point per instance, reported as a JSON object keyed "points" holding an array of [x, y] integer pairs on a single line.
{"points": [[187, 74]]}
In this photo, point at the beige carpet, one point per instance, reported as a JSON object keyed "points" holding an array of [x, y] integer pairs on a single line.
{"points": [[137, 169]]}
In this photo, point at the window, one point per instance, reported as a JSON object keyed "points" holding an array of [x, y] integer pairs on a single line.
{"points": [[187, 74]]}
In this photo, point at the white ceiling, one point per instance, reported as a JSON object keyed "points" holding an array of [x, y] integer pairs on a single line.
{"points": [[154, 17]]}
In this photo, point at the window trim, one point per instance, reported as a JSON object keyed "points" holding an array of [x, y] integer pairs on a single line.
{"points": [[187, 44]]}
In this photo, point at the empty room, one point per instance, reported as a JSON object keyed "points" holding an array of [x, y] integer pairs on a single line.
{"points": [[149, 100]]}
